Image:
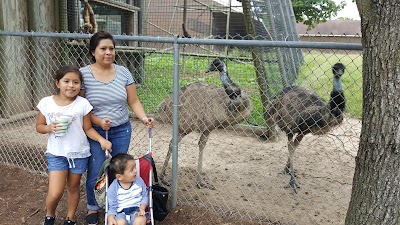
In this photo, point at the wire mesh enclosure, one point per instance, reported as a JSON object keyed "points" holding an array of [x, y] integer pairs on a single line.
{"points": [[228, 163]]}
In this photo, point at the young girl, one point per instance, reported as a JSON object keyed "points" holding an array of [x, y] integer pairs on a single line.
{"points": [[66, 118]]}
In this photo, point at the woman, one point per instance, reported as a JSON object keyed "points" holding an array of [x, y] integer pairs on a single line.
{"points": [[109, 89]]}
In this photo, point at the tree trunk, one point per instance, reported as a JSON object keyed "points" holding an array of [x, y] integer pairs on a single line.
{"points": [[256, 52], [375, 197]]}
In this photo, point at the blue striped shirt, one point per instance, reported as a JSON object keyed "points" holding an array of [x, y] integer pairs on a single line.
{"points": [[120, 198], [108, 99]]}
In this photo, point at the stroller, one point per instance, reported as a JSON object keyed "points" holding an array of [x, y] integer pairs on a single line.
{"points": [[158, 195]]}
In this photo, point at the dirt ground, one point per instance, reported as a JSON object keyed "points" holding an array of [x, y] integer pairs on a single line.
{"points": [[22, 196], [244, 171]]}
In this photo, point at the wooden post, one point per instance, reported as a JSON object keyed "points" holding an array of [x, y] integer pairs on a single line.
{"points": [[14, 73]]}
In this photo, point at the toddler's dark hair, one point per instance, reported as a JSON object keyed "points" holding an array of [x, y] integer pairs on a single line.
{"points": [[60, 73], [118, 163]]}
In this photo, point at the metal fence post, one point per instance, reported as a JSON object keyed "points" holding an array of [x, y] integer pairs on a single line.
{"points": [[175, 122]]}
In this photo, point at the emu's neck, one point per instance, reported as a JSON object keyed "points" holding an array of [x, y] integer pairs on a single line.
{"points": [[231, 89], [224, 77], [337, 85]]}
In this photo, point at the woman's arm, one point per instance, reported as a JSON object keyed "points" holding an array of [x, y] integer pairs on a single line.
{"points": [[136, 106]]}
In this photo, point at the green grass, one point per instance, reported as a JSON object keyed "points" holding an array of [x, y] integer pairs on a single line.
{"points": [[315, 73]]}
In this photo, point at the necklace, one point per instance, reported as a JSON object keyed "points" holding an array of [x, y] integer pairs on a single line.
{"points": [[103, 74]]}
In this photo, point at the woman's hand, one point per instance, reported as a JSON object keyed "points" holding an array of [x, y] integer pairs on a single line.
{"points": [[106, 123], [148, 121], [105, 144]]}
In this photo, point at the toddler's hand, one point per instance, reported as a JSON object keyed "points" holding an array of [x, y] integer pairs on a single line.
{"points": [[141, 212], [111, 220]]}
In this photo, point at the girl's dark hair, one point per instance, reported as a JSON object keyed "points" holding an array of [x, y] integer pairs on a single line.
{"points": [[118, 163], [95, 40], [60, 73]]}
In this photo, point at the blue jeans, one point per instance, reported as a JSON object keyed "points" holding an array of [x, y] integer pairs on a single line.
{"points": [[120, 138]]}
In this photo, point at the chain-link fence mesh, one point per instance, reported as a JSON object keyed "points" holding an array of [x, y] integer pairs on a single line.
{"points": [[244, 169]]}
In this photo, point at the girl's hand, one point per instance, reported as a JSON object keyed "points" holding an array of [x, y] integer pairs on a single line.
{"points": [[105, 145], [106, 123], [54, 127], [148, 121]]}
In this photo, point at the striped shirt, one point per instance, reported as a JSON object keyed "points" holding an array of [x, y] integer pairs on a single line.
{"points": [[120, 198], [108, 99]]}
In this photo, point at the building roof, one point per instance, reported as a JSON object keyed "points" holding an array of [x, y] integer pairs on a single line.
{"points": [[335, 27]]}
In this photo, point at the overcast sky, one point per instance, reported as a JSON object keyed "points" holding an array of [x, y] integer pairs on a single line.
{"points": [[350, 10]]}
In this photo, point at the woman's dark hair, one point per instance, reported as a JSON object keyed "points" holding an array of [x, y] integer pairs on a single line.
{"points": [[118, 163], [96, 38]]}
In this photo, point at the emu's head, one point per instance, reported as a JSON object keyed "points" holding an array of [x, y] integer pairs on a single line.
{"points": [[217, 65], [338, 70]]}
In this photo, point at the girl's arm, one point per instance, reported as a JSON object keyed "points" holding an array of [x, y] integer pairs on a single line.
{"points": [[136, 106], [44, 128], [93, 134]]}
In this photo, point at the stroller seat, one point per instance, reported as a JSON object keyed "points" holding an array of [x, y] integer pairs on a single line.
{"points": [[145, 166]]}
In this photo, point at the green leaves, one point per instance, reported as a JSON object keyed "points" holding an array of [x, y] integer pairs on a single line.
{"points": [[312, 12]]}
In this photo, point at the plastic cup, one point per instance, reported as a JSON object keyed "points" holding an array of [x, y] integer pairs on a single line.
{"points": [[64, 122]]}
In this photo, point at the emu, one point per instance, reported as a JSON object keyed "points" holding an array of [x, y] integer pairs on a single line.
{"points": [[298, 111], [205, 107]]}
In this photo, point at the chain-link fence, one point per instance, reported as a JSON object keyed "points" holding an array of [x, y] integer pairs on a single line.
{"points": [[243, 168]]}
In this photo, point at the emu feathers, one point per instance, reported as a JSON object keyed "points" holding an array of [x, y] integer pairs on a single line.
{"points": [[205, 107], [298, 111]]}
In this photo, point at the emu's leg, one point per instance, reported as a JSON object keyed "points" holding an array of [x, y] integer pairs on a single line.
{"points": [[288, 167], [202, 143], [292, 145], [166, 162]]}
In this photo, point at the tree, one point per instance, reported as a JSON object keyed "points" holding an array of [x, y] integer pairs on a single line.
{"points": [[375, 197], [312, 12]]}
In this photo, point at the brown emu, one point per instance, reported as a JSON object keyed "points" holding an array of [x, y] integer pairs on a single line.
{"points": [[298, 111], [205, 107]]}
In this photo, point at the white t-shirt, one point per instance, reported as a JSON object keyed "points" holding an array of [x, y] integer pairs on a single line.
{"points": [[74, 144]]}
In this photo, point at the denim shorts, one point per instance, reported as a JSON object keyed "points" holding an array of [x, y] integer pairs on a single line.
{"points": [[129, 219], [76, 165]]}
